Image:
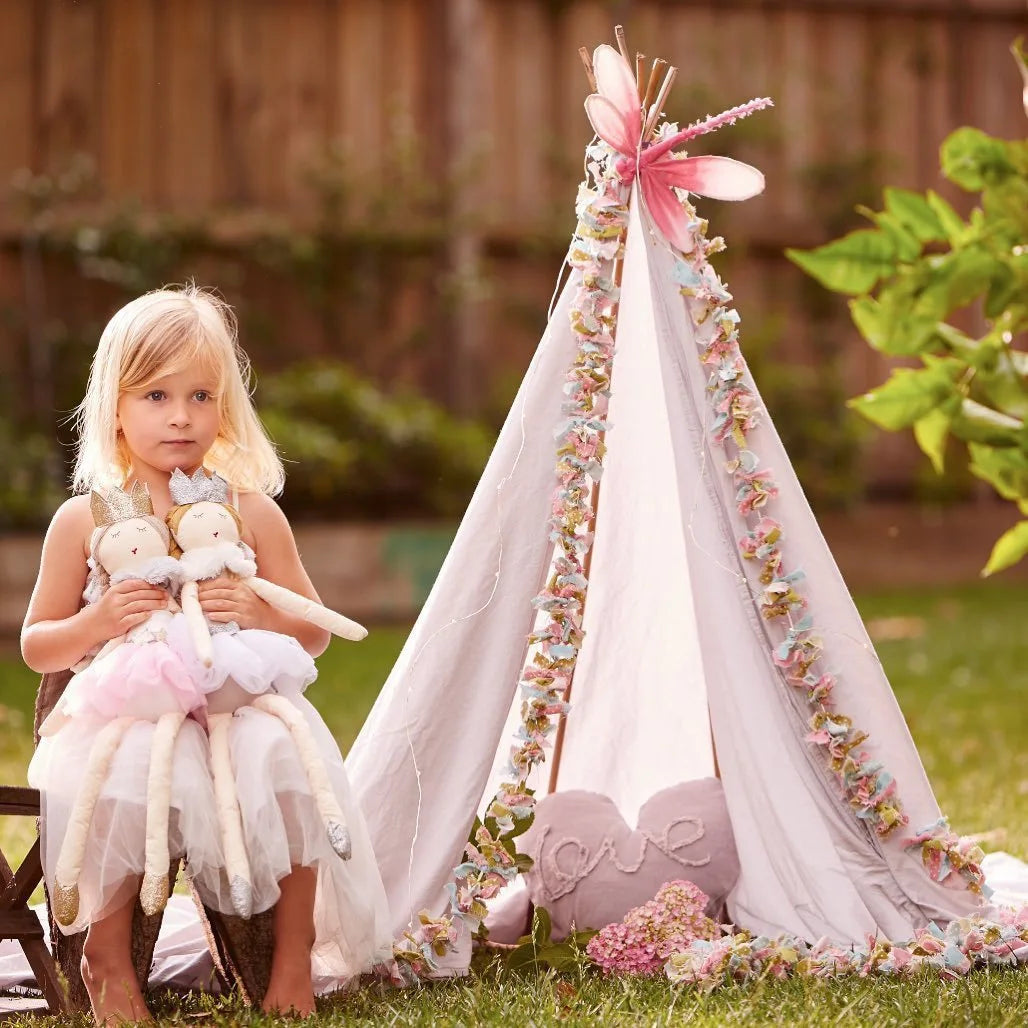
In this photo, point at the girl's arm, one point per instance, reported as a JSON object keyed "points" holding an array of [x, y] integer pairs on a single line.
{"points": [[56, 633], [278, 561]]}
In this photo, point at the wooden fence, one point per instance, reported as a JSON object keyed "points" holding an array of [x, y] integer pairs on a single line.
{"points": [[220, 108]]}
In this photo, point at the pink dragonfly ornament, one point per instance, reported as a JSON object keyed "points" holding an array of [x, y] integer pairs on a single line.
{"points": [[615, 114]]}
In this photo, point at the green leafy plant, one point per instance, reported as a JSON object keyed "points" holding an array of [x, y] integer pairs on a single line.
{"points": [[363, 453], [928, 285], [537, 950], [28, 488]]}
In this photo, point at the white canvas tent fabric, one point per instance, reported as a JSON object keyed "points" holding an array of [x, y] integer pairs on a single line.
{"points": [[672, 632]]}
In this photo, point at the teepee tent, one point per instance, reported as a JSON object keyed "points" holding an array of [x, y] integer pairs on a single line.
{"points": [[690, 607]]}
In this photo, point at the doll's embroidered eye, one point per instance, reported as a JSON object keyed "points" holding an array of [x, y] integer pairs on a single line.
{"points": [[140, 528], [114, 535], [222, 514]]}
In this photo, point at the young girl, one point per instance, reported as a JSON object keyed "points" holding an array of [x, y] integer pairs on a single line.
{"points": [[169, 389]]}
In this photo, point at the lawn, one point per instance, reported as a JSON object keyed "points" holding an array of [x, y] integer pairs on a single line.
{"points": [[957, 662]]}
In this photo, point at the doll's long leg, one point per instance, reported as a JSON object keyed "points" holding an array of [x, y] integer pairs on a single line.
{"points": [[237, 863], [316, 613], [199, 630], [153, 896], [65, 898], [314, 767]]}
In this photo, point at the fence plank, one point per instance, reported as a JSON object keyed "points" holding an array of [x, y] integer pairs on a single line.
{"points": [[18, 86], [69, 110], [192, 171], [131, 146]]}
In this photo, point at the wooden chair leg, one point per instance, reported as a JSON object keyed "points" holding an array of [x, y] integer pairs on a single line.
{"points": [[17, 890], [242, 949]]}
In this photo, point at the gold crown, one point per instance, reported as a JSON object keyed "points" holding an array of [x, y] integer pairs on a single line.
{"points": [[119, 505]]}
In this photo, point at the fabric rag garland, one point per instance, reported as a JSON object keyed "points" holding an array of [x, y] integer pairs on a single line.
{"points": [[962, 946], [869, 788]]}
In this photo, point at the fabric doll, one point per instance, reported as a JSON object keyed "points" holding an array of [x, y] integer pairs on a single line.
{"points": [[138, 676], [247, 667]]}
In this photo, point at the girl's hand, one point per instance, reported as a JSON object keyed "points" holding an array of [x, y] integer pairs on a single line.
{"points": [[226, 599], [126, 605]]}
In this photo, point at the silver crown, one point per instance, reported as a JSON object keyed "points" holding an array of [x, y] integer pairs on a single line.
{"points": [[185, 490]]}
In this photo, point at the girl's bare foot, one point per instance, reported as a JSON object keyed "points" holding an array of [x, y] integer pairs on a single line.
{"points": [[114, 992], [290, 991], [108, 972], [290, 987]]}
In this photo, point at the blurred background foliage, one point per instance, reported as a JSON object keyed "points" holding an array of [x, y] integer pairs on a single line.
{"points": [[355, 448]]}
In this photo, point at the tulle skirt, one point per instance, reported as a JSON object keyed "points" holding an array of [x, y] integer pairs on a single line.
{"points": [[256, 661]]}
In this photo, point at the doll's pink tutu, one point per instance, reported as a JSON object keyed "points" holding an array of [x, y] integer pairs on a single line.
{"points": [[143, 679]]}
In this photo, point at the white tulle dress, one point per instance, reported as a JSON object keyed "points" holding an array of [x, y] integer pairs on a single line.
{"points": [[281, 825]]}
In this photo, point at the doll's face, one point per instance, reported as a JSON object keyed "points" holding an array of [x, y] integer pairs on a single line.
{"points": [[130, 543], [206, 524]]}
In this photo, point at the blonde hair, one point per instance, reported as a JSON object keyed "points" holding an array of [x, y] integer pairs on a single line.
{"points": [[158, 334]]}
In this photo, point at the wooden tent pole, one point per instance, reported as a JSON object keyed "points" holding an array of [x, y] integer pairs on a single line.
{"points": [[651, 87], [619, 33], [558, 743], [587, 61]]}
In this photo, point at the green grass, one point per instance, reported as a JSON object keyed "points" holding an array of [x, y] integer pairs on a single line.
{"points": [[956, 659]]}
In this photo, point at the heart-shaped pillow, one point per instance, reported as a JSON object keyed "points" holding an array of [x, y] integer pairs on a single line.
{"points": [[590, 868]]}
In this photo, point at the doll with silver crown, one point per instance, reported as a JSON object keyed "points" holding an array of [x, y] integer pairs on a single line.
{"points": [[246, 667], [118, 721]]}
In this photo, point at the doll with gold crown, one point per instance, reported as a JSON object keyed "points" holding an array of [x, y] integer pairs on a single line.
{"points": [[119, 722]]}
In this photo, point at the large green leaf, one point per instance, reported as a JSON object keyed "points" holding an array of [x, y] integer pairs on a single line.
{"points": [[1011, 546], [952, 224], [931, 433], [899, 321], [908, 396], [957, 342], [1008, 201], [891, 326], [1002, 385], [957, 279], [980, 424], [1006, 470], [916, 214], [852, 264], [972, 159], [907, 245]]}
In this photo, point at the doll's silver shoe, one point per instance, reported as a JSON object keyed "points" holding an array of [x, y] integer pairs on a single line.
{"points": [[339, 836], [241, 893]]}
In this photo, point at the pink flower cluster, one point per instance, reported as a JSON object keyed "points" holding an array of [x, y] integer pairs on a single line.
{"points": [[642, 942], [954, 951]]}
